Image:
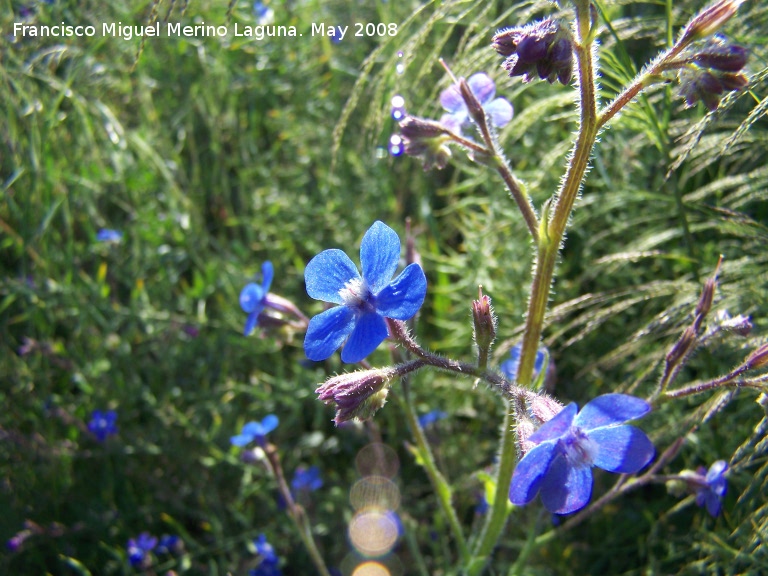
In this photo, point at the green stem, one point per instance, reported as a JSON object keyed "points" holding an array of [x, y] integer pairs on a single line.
{"points": [[548, 247], [439, 483]]}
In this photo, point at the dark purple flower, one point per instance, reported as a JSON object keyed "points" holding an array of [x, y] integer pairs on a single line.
{"points": [[711, 486], [255, 431], [139, 548], [103, 424], [542, 49], [253, 298], [565, 449], [498, 110], [306, 479], [364, 301]]}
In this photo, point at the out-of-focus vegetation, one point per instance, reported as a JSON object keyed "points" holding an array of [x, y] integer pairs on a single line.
{"points": [[212, 155]]}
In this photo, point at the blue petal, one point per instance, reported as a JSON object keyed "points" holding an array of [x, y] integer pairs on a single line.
{"points": [[529, 473], [622, 449], [403, 297], [482, 87], [252, 320], [716, 472], [327, 273], [500, 112], [251, 297], [451, 100], [611, 409], [713, 502], [453, 122], [556, 427], [327, 331], [566, 488], [241, 440], [370, 330], [269, 423], [379, 255], [510, 366], [267, 273]]}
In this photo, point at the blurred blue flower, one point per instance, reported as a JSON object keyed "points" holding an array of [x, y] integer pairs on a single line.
{"points": [[482, 505], [103, 424], [498, 110], [264, 14], [169, 543], [270, 563], [431, 417], [255, 431], [565, 449], [307, 479], [711, 487], [364, 301], [509, 367], [253, 297], [138, 548], [108, 235]]}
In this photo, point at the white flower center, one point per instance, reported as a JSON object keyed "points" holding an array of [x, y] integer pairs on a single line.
{"points": [[579, 449], [356, 294]]}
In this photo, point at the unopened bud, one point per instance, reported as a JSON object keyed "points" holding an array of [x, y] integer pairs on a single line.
{"points": [[414, 128], [758, 358], [707, 296], [524, 428], [722, 56], [484, 320], [474, 107], [357, 394], [544, 408], [739, 324], [709, 20], [682, 346], [426, 139]]}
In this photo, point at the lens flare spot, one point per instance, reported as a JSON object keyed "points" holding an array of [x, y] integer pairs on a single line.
{"points": [[374, 532], [371, 569]]}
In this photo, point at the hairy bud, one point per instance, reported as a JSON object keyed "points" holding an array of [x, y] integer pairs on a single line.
{"points": [[709, 20], [543, 49], [357, 394]]}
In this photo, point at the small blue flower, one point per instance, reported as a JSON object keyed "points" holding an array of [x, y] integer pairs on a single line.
{"points": [[169, 543], [270, 563], [253, 297], [103, 424], [509, 367], [255, 431], [264, 14], [110, 236], [498, 110], [482, 506], [711, 487], [307, 479], [565, 449], [431, 417], [364, 301], [138, 548]]}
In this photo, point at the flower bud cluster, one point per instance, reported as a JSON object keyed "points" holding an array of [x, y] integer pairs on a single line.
{"points": [[426, 139], [712, 70], [542, 49], [357, 394]]}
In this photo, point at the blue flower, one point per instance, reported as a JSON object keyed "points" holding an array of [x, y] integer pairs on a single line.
{"points": [[102, 424], [253, 297], [565, 449], [364, 301], [107, 235], [270, 563], [431, 417], [509, 367], [498, 110], [138, 548], [711, 487], [169, 543], [264, 14], [306, 479], [255, 431]]}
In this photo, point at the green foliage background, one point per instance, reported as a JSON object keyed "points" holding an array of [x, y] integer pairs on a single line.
{"points": [[213, 155]]}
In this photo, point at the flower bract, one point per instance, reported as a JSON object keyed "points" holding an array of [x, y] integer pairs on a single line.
{"points": [[364, 300], [253, 297], [559, 466], [255, 431], [499, 110]]}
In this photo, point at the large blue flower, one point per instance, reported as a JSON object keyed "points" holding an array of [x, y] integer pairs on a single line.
{"points": [[253, 297], [566, 448], [364, 300]]}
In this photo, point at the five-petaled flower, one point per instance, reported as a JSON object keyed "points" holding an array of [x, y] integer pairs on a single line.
{"points": [[498, 110], [255, 432], [306, 479], [710, 486], [560, 464], [253, 298], [365, 301], [139, 548], [103, 424]]}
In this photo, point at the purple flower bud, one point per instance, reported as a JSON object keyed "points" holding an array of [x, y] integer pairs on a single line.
{"points": [[532, 49], [484, 320], [542, 49], [722, 56], [357, 394], [709, 20], [758, 358]]}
